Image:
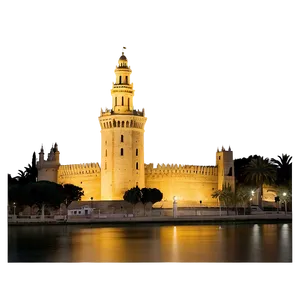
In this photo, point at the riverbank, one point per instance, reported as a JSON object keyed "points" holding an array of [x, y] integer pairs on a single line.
{"points": [[233, 219]]}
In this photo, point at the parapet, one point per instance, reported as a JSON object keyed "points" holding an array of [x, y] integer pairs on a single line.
{"points": [[181, 169], [79, 169]]}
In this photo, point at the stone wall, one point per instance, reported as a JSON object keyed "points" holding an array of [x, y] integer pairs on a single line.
{"points": [[87, 176], [187, 183]]}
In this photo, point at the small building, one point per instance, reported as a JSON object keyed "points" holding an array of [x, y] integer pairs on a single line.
{"points": [[84, 210]]}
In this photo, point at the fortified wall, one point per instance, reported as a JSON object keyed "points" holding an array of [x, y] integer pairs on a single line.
{"points": [[187, 183], [86, 176]]}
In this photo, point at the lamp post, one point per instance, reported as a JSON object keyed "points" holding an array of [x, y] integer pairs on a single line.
{"points": [[66, 217], [251, 199], [92, 207], [284, 199], [14, 216], [175, 207]]}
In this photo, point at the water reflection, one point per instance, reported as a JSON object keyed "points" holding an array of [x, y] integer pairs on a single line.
{"points": [[152, 243]]}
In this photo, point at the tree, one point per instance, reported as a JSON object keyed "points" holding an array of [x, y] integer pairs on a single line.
{"points": [[239, 165], [243, 195], [225, 195], [43, 193], [20, 194], [133, 196], [284, 168], [150, 195], [146, 197], [284, 192], [258, 172], [72, 193], [156, 195], [32, 171]]}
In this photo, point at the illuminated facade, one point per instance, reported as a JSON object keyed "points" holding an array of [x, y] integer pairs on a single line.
{"points": [[122, 158]]}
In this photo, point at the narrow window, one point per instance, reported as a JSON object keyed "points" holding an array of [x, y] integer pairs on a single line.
{"points": [[106, 152], [219, 157], [122, 100], [122, 152], [126, 79], [137, 152], [137, 165], [120, 79], [122, 138], [115, 101]]}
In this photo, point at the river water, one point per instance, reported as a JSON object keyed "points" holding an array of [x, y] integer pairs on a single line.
{"points": [[151, 243]]}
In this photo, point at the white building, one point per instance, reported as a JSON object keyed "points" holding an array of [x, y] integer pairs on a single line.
{"points": [[81, 211]]}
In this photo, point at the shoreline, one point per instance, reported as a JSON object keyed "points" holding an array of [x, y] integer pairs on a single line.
{"points": [[197, 220]]}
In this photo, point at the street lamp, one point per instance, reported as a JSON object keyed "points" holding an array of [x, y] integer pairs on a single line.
{"points": [[284, 195], [251, 199], [92, 207], [14, 206], [175, 207]]}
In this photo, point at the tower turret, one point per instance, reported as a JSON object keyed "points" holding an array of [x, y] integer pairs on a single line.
{"points": [[47, 169], [225, 164], [122, 139], [122, 91]]}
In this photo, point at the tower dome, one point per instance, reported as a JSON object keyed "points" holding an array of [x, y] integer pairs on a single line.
{"points": [[122, 61]]}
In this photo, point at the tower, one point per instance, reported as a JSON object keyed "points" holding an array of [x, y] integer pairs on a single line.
{"points": [[225, 164], [47, 169], [122, 138]]}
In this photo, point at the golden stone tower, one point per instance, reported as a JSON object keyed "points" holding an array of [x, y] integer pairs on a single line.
{"points": [[122, 139]]}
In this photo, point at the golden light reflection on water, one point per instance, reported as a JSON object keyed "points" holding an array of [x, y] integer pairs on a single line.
{"points": [[147, 244], [151, 243]]}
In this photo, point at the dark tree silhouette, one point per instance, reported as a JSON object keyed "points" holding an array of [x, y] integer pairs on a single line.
{"points": [[72, 193], [284, 169]]}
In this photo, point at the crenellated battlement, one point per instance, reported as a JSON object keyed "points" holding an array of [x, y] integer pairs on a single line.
{"points": [[185, 170], [79, 169]]}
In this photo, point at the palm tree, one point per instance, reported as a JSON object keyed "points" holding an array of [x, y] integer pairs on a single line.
{"points": [[22, 177], [284, 168], [285, 194], [243, 195], [225, 195], [216, 195], [258, 172]]}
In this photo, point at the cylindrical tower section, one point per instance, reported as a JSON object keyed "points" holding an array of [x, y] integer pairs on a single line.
{"points": [[48, 173], [106, 160]]}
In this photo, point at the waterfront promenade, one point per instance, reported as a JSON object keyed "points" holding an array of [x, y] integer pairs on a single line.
{"points": [[203, 219]]}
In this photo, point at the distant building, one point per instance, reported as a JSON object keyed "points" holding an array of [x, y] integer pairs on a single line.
{"points": [[80, 211]]}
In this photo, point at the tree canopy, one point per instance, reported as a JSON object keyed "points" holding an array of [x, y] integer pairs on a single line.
{"points": [[44, 193], [260, 171], [145, 195], [72, 193], [133, 195]]}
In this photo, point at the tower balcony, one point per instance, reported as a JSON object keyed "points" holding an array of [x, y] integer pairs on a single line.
{"points": [[120, 88], [109, 112]]}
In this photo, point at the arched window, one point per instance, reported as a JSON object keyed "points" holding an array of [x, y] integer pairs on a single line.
{"points": [[136, 152], [122, 152], [137, 165], [122, 138]]}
